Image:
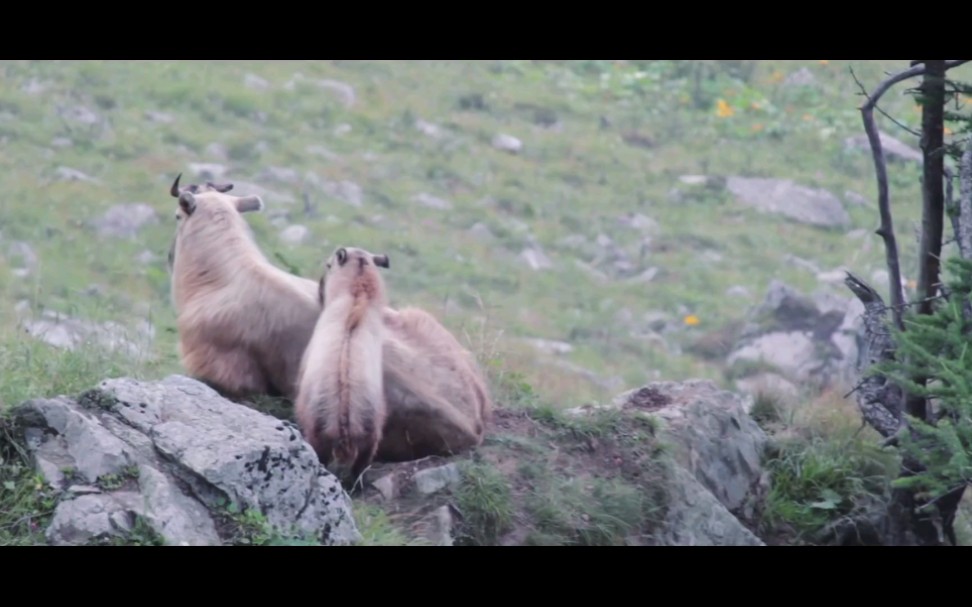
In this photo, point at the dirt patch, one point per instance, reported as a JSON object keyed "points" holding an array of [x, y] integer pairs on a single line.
{"points": [[648, 399]]}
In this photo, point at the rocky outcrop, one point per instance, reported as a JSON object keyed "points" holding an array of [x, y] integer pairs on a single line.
{"points": [[175, 460], [178, 457], [793, 340], [716, 473]]}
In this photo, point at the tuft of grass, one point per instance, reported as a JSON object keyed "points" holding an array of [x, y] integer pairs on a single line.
{"points": [[485, 501], [377, 529], [823, 468], [249, 527], [586, 511], [767, 410], [26, 501]]}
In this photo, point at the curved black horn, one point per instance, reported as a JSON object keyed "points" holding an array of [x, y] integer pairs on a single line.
{"points": [[175, 186]]}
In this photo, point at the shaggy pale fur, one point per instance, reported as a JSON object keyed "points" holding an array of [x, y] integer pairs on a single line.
{"points": [[243, 323], [340, 407], [438, 402]]}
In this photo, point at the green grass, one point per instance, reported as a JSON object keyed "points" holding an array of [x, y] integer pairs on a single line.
{"points": [[574, 177], [824, 468]]}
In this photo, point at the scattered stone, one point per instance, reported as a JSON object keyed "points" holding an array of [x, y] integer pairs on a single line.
{"points": [[68, 174], [894, 149], [252, 81], [294, 234], [432, 202], [323, 152], [549, 346], [208, 171], [79, 114], [856, 199], [431, 480], [159, 117], [70, 334], [536, 259], [801, 77], [507, 143], [125, 220], [481, 232], [428, 129], [784, 197], [386, 486]]}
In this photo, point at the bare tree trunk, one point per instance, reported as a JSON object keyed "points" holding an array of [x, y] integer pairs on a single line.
{"points": [[908, 521]]}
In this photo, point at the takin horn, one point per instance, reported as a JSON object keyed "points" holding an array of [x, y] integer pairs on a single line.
{"points": [[175, 186]]}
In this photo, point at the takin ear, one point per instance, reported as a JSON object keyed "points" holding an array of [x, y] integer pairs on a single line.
{"points": [[381, 261], [188, 202], [246, 204], [342, 256]]}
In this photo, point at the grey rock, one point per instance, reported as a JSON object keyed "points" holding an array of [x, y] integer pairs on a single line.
{"points": [[160, 117], [696, 518], [894, 149], [714, 468], [711, 432], [428, 129], [784, 197], [208, 170], [431, 480], [536, 259], [71, 333], [80, 114], [294, 234], [432, 202], [68, 174], [85, 518], [125, 220], [801, 77], [481, 232], [195, 453], [507, 143], [386, 486], [252, 81]]}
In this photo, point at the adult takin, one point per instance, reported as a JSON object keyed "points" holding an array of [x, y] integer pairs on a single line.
{"points": [[243, 323], [340, 406]]}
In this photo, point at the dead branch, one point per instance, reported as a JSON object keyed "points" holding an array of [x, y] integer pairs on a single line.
{"points": [[886, 229], [879, 399]]}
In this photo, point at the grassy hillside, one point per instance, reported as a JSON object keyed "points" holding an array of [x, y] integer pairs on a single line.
{"points": [[465, 174], [368, 153]]}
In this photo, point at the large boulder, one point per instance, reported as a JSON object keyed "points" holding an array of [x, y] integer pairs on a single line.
{"points": [[792, 341], [178, 457], [715, 473]]}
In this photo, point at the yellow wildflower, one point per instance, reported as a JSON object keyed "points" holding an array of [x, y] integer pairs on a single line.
{"points": [[723, 109], [824, 62], [691, 320], [776, 77], [947, 130]]}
